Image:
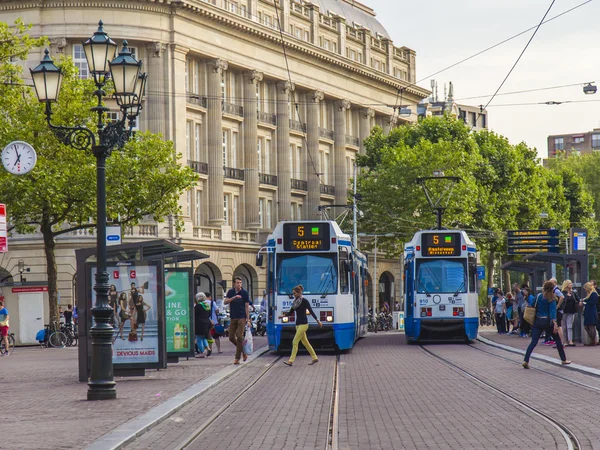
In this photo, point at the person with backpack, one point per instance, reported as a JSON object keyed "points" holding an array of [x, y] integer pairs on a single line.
{"points": [[570, 309], [545, 319]]}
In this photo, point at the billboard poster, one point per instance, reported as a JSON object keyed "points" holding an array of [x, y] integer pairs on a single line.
{"points": [[134, 295], [179, 308]]}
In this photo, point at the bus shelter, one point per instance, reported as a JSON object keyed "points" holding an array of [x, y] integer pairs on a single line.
{"points": [[537, 272], [159, 252]]}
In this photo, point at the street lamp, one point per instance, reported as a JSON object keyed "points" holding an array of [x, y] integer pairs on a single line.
{"points": [[375, 281], [129, 87]]}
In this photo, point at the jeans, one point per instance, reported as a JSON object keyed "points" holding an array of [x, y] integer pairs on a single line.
{"points": [[236, 335], [301, 336], [501, 323], [568, 320], [201, 343], [535, 337]]}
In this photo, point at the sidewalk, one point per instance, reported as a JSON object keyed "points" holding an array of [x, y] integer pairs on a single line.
{"points": [[45, 405], [581, 357]]}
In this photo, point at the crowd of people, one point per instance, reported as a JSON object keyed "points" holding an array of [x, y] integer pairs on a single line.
{"points": [[556, 309]]}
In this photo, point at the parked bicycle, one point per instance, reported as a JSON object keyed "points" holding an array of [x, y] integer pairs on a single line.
{"points": [[52, 336], [70, 334], [11, 344]]}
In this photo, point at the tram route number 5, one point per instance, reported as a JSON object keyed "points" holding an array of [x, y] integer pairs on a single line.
{"points": [[301, 231], [436, 239]]}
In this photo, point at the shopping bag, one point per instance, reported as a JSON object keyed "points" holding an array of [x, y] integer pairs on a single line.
{"points": [[248, 347]]}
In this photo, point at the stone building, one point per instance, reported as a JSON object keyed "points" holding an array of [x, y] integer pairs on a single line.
{"points": [[271, 139]]}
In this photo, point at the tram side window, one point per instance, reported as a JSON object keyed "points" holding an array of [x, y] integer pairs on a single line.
{"points": [[343, 267], [473, 273]]}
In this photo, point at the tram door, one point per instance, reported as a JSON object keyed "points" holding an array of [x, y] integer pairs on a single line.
{"points": [[409, 304]]}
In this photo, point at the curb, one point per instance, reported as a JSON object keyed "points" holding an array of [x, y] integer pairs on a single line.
{"points": [[576, 367], [129, 431]]}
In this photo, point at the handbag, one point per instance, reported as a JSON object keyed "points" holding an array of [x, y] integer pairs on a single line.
{"points": [[219, 329], [529, 314]]}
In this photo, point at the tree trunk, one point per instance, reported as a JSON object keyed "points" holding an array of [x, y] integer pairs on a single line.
{"points": [[490, 275], [51, 270]]}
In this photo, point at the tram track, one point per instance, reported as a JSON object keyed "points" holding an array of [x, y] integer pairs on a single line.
{"points": [[569, 436], [333, 427]]}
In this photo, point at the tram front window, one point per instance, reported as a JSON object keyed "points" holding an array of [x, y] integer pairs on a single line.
{"points": [[317, 273], [436, 276]]}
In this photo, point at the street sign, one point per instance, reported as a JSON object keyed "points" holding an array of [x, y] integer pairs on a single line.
{"points": [[113, 235], [3, 229], [523, 242], [481, 272], [578, 240]]}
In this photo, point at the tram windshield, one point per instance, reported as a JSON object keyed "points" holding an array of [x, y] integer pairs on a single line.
{"points": [[317, 273], [441, 276]]}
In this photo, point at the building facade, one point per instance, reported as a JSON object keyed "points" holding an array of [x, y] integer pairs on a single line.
{"points": [[573, 143], [272, 136]]}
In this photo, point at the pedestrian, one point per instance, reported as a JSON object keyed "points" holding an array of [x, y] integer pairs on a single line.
{"points": [[75, 317], [520, 300], [598, 319], [239, 313], [570, 309], [590, 312], [202, 324], [214, 319], [560, 307], [529, 300], [4, 327], [545, 318], [68, 316], [500, 312], [300, 305]]}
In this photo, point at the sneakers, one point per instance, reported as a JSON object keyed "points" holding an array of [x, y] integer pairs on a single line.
{"points": [[525, 365], [236, 361], [287, 363], [244, 357], [566, 362], [314, 361], [208, 353]]}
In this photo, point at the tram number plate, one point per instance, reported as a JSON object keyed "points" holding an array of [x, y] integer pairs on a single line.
{"points": [[423, 301], [319, 303], [454, 301]]}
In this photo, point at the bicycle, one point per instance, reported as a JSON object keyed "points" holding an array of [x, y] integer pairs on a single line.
{"points": [[70, 334], [56, 339], [11, 344]]}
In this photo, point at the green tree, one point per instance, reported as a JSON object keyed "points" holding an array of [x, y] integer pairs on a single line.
{"points": [[59, 195]]}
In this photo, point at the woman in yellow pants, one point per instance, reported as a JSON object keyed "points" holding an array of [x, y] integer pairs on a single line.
{"points": [[300, 306]]}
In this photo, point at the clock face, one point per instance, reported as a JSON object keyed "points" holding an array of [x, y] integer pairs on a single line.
{"points": [[19, 157]]}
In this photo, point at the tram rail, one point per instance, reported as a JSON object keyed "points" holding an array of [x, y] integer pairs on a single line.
{"points": [[571, 440]]}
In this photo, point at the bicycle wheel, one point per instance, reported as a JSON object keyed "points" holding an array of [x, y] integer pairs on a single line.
{"points": [[58, 339], [11, 343]]}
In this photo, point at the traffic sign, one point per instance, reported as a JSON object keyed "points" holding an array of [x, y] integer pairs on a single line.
{"points": [[523, 242], [113, 235], [3, 229], [481, 272]]}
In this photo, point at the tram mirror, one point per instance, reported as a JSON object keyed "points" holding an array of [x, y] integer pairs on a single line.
{"points": [[259, 260]]}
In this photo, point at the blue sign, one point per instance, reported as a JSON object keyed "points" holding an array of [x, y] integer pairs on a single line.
{"points": [[481, 272], [491, 291], [113, 238]]}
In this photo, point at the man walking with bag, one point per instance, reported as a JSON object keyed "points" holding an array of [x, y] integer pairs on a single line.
{"points": [[239, 312]]}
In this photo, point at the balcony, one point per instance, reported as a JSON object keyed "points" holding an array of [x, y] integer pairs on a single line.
{"points": [[264, 178], [327, 189], [197, 100], [215, 234], [234, 174], [326, 134], [300, 185], [298, 126], [199, 167], [235, 110], [267, 118], [351, 140]]}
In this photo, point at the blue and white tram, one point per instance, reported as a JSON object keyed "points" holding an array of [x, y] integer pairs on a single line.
{"points": [[320, 257], [441, 285]]}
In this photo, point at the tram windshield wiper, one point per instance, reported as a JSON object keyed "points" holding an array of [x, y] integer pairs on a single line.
{"points": [[422, 286], [462, 285]]}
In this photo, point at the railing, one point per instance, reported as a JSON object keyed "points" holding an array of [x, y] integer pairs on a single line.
{"points": [[207, 233], [351, 140], [142, 230], [243, 236], [197, 100], [298, 126], [400, 54], [267, 118], [327, 189], [300, 185], [376, 43], [235, 174], [327, 134], [199, 167], [299, 9], [230, 108], [265, 178]]}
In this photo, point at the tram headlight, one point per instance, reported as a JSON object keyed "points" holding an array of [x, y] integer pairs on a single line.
{"points": [[329, 318], [285, 319]]}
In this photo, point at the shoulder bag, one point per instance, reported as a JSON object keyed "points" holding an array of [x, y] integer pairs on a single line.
{"points": [[529, 313]]}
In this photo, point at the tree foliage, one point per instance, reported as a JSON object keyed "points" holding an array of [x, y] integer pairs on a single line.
{"points": [[59, 195]]}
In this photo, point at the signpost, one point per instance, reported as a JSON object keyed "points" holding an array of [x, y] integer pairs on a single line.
{"points": [[578, 241], [481, 272], [523, 242], [3, 229]]}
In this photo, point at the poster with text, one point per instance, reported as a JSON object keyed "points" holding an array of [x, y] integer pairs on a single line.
{"points": [[179, 312], [133, 295]]}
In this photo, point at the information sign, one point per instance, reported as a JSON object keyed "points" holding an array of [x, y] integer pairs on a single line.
{"points": [[306, 236], [440, 244], [179, 312], [522, 242], [481, 272]]}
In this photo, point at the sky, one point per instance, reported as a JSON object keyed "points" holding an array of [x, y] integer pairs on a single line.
{"points": [[564, 51]]}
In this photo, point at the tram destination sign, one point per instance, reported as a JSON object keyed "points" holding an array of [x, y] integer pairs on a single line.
{"points": [[523, 242], [440, 244], [299, 237]]}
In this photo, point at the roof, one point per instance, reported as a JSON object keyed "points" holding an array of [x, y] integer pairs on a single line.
{"points": [[354, 13], [144, 250]]}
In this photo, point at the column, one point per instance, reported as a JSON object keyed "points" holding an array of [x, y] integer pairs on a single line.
{"points": [[214, 119], [284, 175], [313, 166], [339, 151], [365, 116], [157, 106], [342, 39], [314, 23], [389, 122], [250, 144], [367, 34], [253, 10], [389, 46], [284, 11]]}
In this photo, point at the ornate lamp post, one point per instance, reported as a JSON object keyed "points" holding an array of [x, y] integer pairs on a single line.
{"points": [[129, 85]]}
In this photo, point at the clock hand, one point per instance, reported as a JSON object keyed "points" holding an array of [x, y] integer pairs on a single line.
{"points": [[18, 157]]}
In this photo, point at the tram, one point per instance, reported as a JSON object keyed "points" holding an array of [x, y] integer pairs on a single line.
{"points": [[320, 257], [441, 285]]}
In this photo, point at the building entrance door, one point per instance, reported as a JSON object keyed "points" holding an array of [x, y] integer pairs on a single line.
{"points": [[31, 316]]}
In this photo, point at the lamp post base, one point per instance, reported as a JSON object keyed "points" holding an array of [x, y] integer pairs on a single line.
{"points": [[101, 382], [103, 393]]}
